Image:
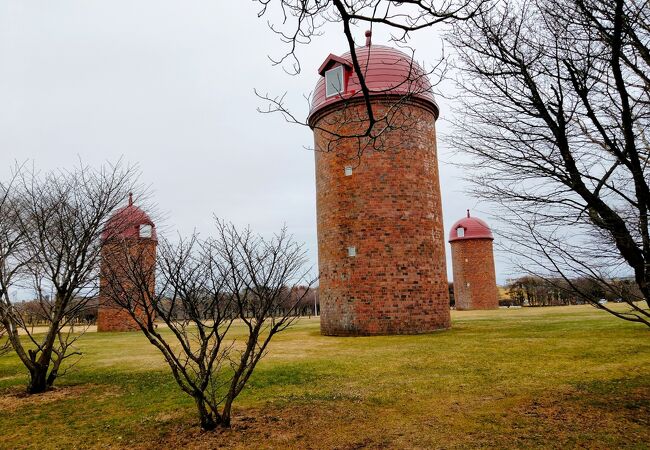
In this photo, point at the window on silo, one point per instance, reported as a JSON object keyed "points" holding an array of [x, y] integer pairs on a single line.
{"points": [[352, 251], [146, 231], [348, 171], [334, 81], [460, 232]]}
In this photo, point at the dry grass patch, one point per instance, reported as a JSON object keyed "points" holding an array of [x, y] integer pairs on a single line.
{"points": [[14, 399]]}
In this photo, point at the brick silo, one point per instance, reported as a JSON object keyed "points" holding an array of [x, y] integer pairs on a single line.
{"points": [[129, 231], [381, 250], [472, 256]]}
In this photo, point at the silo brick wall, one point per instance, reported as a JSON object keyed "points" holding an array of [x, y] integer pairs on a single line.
{"points": [[390, 210], [111, 316], [115, 319], [475, 285]]}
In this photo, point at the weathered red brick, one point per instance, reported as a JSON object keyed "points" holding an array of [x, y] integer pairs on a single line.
{"points": [[110, 316], [475, 285], [390, 210]]}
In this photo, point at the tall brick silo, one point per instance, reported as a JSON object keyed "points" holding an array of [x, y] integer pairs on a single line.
{"points": [[129, 231], [472, 257], [381, 249]]}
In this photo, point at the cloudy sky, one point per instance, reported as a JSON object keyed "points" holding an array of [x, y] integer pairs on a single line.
{"points": [[169, 85]]}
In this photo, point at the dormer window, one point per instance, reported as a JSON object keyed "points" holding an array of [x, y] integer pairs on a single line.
{"points": [[460, 232], [334, 81], [146, 231]]}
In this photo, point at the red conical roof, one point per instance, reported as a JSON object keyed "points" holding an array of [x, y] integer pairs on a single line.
{"points": [[126, 222], [387, 72], [473, 228]]}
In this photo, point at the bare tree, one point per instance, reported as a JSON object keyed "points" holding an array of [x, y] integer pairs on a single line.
{"points": [[300, 22], [208, 293], [555, 114], [57, 221]]}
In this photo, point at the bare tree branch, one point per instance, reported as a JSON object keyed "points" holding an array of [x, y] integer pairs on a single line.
{"points": [[301, 21]]}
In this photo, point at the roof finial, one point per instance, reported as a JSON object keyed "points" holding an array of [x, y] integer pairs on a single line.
{"points": [[368, 38], [468, 213], [130, 198]]}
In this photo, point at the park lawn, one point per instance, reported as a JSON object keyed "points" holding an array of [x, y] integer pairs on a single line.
{"points": [[559, 377]]}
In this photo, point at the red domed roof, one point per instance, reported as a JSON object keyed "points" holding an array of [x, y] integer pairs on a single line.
{"points": [[126, 222], [472, 228], [388, 71]]}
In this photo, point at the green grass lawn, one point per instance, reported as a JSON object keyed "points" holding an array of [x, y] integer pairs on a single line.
{"points": [[559, 377]]}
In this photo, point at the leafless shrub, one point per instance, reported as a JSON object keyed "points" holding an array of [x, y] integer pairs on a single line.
{"points": [[222, 298]]}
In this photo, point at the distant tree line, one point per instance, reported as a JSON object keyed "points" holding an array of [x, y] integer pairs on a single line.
{"points": [[34, 315], [305, 299], [531, 290], [301, 299], [539, 291]]}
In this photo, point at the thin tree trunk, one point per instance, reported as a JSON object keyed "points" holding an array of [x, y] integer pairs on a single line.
{"points": [[207, 420], [225, 414]]}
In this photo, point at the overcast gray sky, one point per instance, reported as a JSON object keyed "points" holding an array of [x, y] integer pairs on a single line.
{"points": [[169, 85]]}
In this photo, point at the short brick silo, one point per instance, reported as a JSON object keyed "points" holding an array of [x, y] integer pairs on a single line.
{"points": [[472, 256], [381, 249], [129, 231]]}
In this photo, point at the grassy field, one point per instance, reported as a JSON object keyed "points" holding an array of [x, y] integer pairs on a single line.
{"points": [[560, 377]]}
